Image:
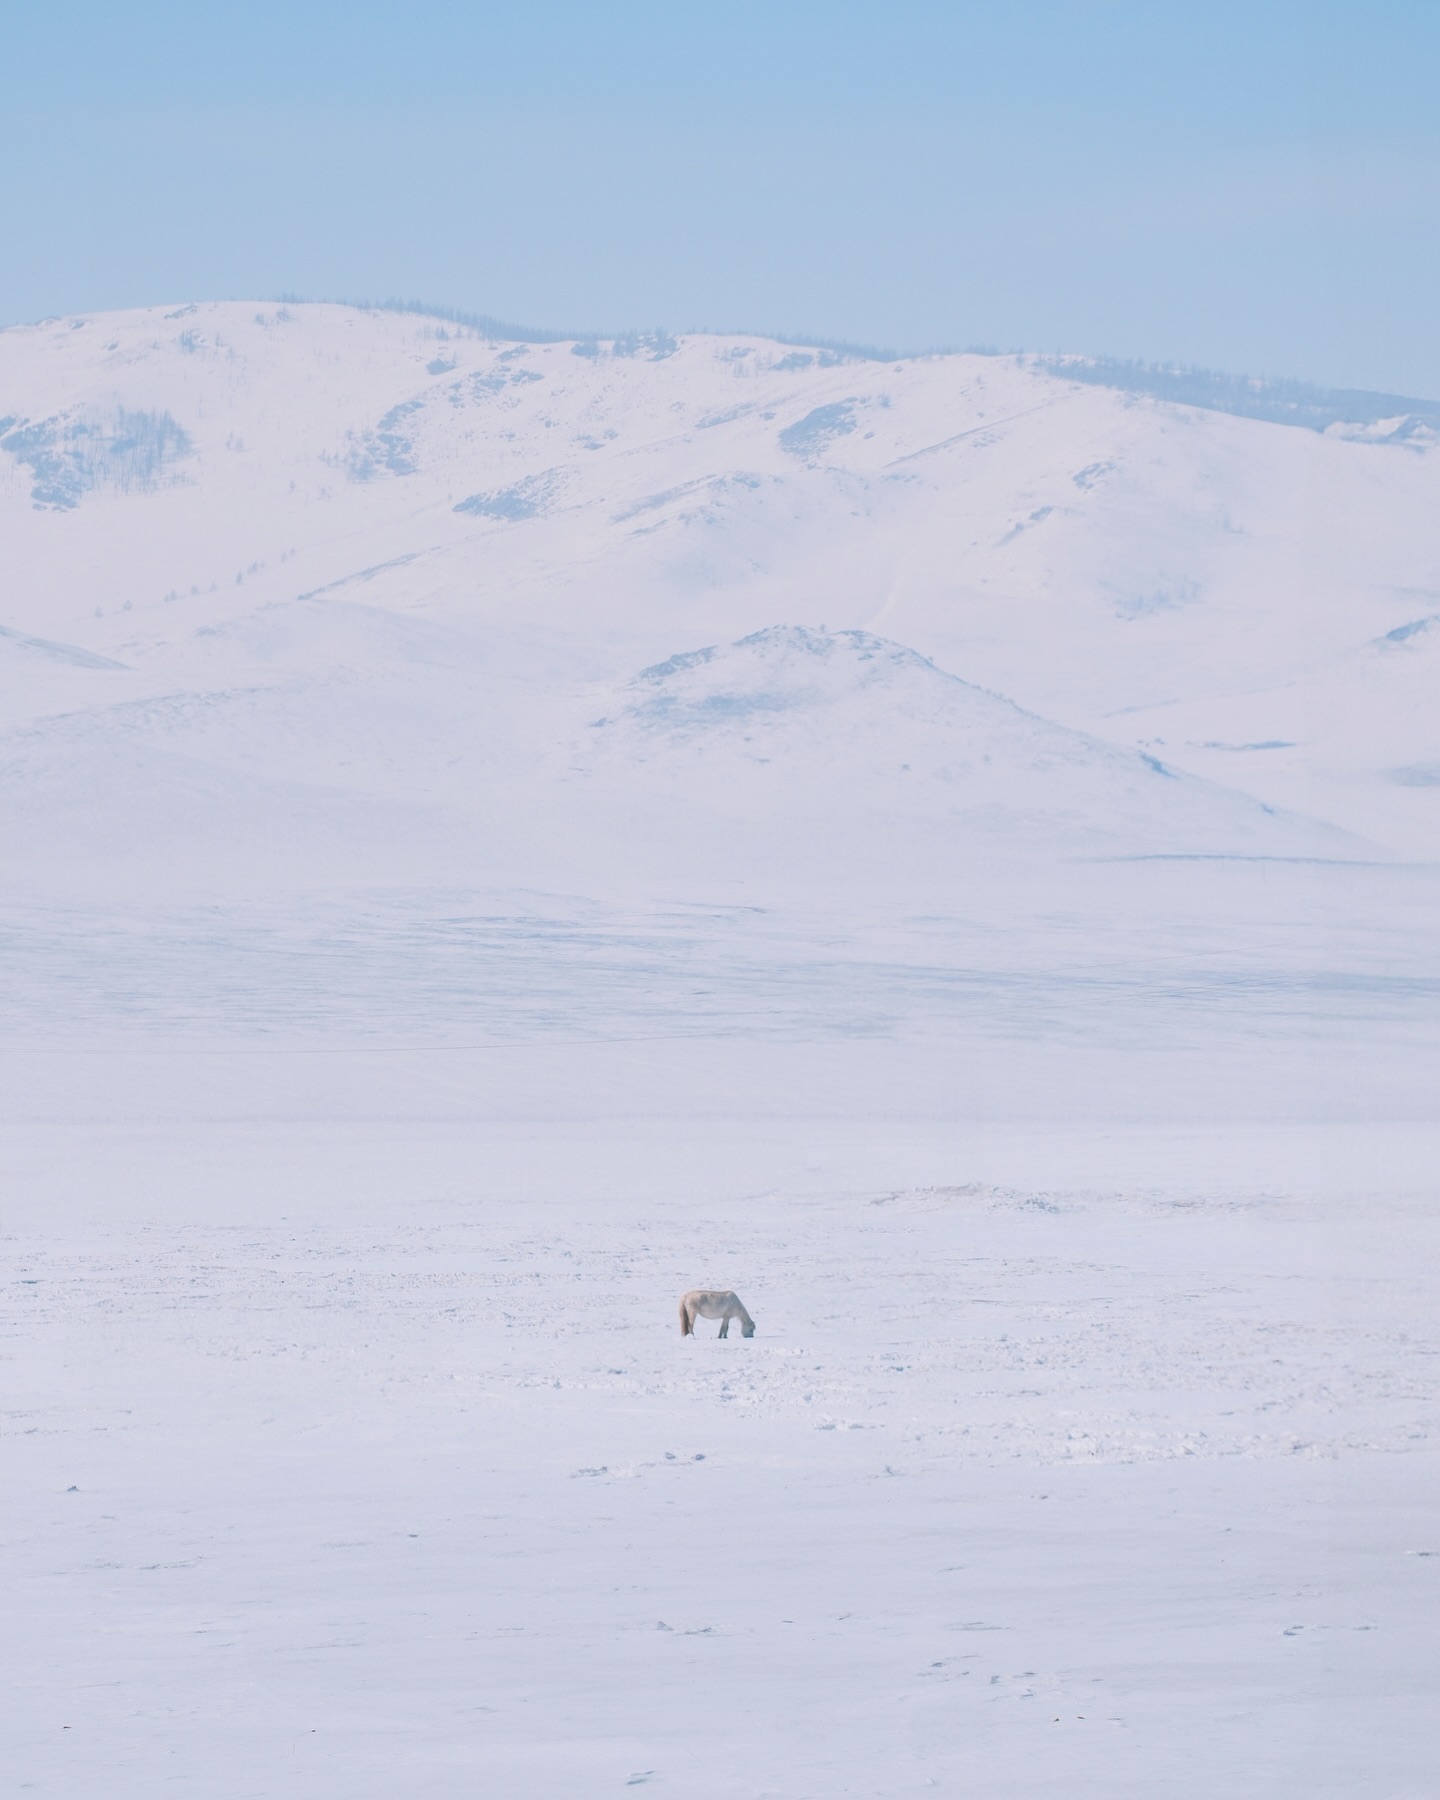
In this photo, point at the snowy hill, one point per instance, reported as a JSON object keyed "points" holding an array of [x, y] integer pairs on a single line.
{"points": [[799, 733], [370, 560]]}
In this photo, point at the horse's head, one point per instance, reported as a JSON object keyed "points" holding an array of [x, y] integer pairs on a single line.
{"points": [[748, 1330]]}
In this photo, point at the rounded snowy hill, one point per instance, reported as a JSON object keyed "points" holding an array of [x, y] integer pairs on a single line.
{"points": [[796, 735]]}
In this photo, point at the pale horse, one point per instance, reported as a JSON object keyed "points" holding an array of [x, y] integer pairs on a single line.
{"points": [[714, 1303]]}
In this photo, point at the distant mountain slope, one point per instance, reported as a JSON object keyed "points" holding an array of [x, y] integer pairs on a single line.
{"points": [[795, 734], [1348, 412], [324, 740], [379, 554], [1360, 723]]}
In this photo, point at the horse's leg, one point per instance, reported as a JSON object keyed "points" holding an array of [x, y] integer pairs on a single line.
{"points": [[725, 1326]]}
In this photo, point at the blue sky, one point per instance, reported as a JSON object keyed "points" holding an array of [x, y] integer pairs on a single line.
{"points": [[1252, 187]]}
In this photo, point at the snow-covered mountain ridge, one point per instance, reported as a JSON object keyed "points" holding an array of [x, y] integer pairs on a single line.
{"points": [[371, 556]]}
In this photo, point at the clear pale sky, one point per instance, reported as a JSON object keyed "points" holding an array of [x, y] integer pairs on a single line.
{"points": [[1249, 186]]}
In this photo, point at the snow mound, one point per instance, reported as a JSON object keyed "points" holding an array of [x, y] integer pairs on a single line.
{"points": [[850, 731]]}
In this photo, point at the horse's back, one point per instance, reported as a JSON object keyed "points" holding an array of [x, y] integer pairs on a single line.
{"points": [[710, 1303]]}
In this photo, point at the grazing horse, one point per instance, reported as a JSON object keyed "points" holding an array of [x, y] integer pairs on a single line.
{"points": [[713, 1303]]}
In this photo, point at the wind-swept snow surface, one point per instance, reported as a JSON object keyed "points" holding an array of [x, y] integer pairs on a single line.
{"points": [[498, 834], [371, 1458]]}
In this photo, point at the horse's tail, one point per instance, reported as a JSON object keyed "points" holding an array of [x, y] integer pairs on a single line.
{"points": [[687, 1324]]}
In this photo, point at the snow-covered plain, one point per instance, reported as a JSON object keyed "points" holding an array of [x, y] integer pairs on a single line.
{"points": [[496, 834]]}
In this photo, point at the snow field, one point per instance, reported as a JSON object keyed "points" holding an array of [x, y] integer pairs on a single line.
{"points": [[390, 1468]]}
